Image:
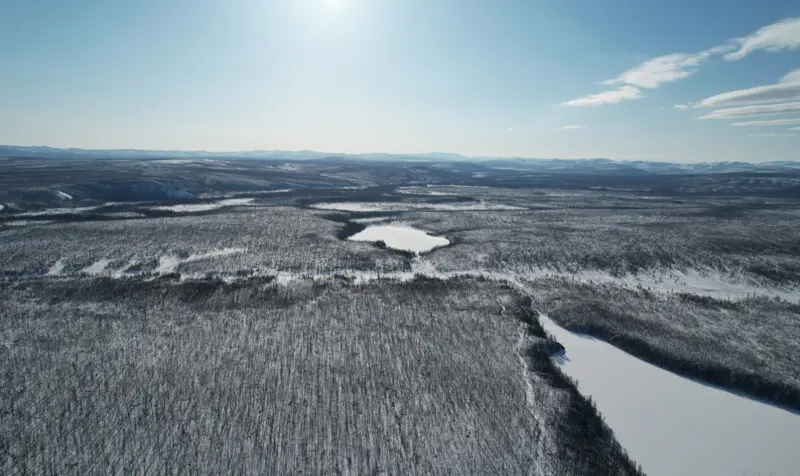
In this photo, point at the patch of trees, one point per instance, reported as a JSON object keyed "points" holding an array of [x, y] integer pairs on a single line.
{"points": [[745, 345]]}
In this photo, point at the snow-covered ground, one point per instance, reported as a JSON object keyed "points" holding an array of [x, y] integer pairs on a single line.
{"points": [[403, 238], [203, 207], [421, 191], [673, 425], [56, 211], [168, 264], [96, 268], [15, 223], [691, 281], [56, 269], [402, 206], [178, 161]]}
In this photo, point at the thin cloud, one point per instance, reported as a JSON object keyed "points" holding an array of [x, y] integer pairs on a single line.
{"points": [[664, 69], [791, 77], [750, 111], [681, 106], [567, 128], [606, 97], [774, 134], [769, 123], [784, 34], [655, 72], [787, 89]]}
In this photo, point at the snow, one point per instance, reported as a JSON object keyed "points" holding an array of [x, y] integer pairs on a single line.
{"points": [[178, 161], [63, 196], [692, 281], [168, 264], [16, 223], [420, 191], [56, 269], [403, 238], [97, 268], [400, 206], [57, 211], [203, 207], [673, 425], [369, 220]]}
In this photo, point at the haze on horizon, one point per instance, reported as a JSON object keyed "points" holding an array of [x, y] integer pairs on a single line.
{"points": [[677, 81]]}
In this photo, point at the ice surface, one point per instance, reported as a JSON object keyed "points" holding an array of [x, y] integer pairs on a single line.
{"points": [[674, 425], [403, 238], [203, 207], [400, 206]]}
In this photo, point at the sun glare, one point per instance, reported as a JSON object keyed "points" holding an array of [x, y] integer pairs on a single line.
{"points": [[336, 4]]}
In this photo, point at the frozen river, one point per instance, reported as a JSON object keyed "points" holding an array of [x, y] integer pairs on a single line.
{"points": [[674, 425]]}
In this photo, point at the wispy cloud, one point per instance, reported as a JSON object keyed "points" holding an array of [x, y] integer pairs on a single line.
{"points": [[607, 97], [787, 89], [665, 69], [769, 123], [567, 128], [750, 111], [784, 34], [681, 106], [791, 77], [655, 72], [774, 134]]}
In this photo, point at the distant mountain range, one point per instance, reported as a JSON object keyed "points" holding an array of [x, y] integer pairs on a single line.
{"points": [[589, 165]]}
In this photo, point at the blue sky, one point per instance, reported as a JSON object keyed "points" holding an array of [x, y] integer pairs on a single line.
{"points": [[483, 78]]}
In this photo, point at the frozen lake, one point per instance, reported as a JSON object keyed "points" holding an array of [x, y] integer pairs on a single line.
{"points": [[403, 238], [408, 206], [673, 425]]}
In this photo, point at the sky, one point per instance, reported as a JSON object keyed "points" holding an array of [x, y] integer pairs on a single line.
{"points": [[678, 80]]}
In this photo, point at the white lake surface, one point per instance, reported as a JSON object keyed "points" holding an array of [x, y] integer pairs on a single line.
{"points": [[408, 206], [204, 207], [676, 426], [403, 238]]}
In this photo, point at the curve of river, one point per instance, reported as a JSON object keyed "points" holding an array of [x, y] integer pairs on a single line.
{"points": [[674, 425]]}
